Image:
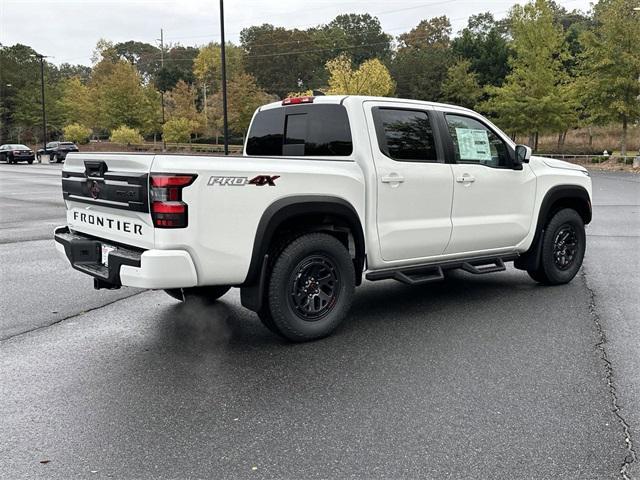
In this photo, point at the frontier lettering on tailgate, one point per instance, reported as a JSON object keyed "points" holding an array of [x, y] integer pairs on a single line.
{"points": [[120, 225]]}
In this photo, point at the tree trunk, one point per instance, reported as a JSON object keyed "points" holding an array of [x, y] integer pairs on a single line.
{"points": [[535, 148], [590, 136], [623, 143], [531, 139], [559, 141]]}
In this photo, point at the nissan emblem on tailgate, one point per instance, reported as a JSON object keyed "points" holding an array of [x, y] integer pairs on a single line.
{"points": [[94, 189]]}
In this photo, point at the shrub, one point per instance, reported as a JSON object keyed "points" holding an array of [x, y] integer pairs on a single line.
{"points": [[76, 133], [124, 134], [177, 130]]}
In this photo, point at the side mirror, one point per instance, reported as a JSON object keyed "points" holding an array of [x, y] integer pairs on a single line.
{"points": [[523, 154]]}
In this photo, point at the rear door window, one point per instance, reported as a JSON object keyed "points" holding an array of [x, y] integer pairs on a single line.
{"points": [[301, 130], [405, 135]]}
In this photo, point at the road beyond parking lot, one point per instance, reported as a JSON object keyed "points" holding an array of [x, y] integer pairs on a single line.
{"points": [[475, 377]]}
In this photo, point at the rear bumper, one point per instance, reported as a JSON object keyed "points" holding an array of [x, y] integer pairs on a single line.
{"points": [[24, 158], [126, 266]]}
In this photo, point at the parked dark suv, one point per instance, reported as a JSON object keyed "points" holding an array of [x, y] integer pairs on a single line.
{"points": [[14, 153], [57, 151]]}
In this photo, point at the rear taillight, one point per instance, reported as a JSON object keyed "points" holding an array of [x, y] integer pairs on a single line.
{"points": [[167, 208]]}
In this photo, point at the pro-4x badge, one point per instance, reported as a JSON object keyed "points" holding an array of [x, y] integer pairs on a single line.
{"points": [[258, 181]]}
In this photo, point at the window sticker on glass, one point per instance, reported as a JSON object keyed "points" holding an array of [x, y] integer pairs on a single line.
{"points": [[473, 144]]}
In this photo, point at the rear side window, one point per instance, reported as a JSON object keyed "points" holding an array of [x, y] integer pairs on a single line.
{"points": [[301, 130], [405, 135]]}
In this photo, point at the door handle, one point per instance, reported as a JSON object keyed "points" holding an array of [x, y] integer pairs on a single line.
{"points": [[393, 178], [466, 178]]}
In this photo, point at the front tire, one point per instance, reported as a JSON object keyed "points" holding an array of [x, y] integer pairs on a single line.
{"points": [[563, 248], [205, 293], [310, 288]]}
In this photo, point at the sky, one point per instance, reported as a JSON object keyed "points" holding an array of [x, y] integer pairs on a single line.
{"points": [[67, 30]]}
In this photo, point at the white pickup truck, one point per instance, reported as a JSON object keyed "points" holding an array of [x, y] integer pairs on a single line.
{"points": [[329, 189]]}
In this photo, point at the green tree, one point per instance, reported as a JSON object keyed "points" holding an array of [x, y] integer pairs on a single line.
{"points": [[370, 78], [461, 85], [207, 65], [119, 95], [28, 107], [484, 43], [20, 96], [610, 65], [66, 71], [76, 133], [151, 111], [537, 96], [282, 60], [105, 50], [422, 60], [144, 56], [574, 23], [126, 135], [178, 65], [432, 33], [177, 130], [244, 96], [75, 102], [359, 34], [180, 102]]}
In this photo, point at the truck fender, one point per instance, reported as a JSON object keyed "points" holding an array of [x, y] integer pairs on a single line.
{"points": [[275, 215], [560, 196]]}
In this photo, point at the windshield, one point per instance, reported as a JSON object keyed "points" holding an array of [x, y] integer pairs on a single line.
{"points": [[18, 147]]}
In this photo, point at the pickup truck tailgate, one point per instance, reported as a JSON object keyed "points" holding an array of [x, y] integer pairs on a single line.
{"points": [[107, 196]]}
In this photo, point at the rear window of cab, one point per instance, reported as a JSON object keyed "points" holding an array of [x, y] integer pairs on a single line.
{"points": [[300, 131]]}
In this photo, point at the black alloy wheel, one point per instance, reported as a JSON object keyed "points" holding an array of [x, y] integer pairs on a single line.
{"points": [[565, 246], [314, 287]]}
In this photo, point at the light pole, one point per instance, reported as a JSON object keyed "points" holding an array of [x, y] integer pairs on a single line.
{"points": [[44, 110], [223, 70]]}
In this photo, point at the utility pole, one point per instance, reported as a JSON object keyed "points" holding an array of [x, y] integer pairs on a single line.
{"points": [[224, 81], [164, 144], [44, 111]]}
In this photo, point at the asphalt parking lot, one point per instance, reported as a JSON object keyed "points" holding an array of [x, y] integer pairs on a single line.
{"points": [[475, 377]]}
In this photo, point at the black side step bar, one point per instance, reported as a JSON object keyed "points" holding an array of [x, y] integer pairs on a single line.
{"points": [[435, 271], [495, 266]]}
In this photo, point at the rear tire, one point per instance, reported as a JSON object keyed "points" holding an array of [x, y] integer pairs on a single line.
{"points": [[563, 248], [310, 288], [205, 293]]}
